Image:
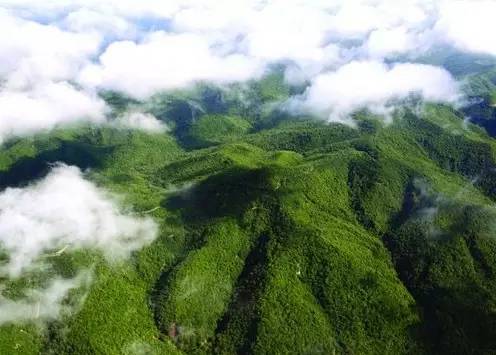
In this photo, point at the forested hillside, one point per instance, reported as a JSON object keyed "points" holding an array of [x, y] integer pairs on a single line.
{"points": [[276, 231]]}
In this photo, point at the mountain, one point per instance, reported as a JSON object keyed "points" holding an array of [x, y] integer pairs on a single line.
{"points": [[278, 231]]}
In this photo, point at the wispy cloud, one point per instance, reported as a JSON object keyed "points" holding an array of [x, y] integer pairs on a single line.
{"points": [[44, 304], [141, 121], [57, 215], [64, 210]]}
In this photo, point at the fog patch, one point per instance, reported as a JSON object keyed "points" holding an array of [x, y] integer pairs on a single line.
{"points": [[45, 304], [141, 121], [65, 211], [139, 348]]}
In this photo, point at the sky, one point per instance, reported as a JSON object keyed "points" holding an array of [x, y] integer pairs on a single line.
{"points": [[57, 55]]}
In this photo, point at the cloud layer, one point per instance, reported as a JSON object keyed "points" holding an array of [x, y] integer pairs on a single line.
{"points": [[164, 61], [81, 47]]}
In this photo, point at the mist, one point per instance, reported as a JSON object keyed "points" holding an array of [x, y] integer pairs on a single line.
{"points": [[44, 304], [60, 214]]}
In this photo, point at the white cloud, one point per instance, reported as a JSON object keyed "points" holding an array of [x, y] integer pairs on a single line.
{"points": [[373, 84], [44, 106], [65, 211], [126, 8], [280, 31], [385, 42], [468, 24], [31, 52], [142, 121], [357, 18], [164, 61], [141, 47], [108, 25], [36, 63]]}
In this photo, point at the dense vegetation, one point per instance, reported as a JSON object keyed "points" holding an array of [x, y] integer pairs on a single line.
{"points": [[279, 234]]}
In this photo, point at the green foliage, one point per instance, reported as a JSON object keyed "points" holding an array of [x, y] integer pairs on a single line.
{"points": [[303, 137], [213, 129], [444, 253], [202, 284], [277, 234]]}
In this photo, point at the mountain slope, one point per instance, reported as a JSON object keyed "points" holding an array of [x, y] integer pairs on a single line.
{"points": [[279, 233]]}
